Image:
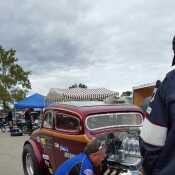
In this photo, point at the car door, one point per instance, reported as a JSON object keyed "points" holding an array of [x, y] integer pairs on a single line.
{"points": [[47, 139], [69, 138]]}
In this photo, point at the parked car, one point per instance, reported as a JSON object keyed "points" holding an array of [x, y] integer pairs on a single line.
{"points": [[21, 122], [16, 132], [35, 115], [67, 128]]}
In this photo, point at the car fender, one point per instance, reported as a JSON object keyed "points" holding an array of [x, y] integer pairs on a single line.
{"points": [[37, 151]]}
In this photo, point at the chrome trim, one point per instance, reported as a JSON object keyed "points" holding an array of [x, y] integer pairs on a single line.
{"points": [[115, 126]]}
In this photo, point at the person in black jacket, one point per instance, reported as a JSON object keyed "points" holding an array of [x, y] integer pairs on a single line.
{"points": [[157, 141], [10, 119], [28, 119]]}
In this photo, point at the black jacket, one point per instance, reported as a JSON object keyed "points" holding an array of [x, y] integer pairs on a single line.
{"points": [[157, 140]]}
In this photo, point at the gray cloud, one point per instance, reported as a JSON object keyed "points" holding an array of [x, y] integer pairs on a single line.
{"points": [[114, 44]]}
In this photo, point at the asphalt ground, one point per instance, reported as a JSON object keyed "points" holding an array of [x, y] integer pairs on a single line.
{"points": [[11, 154]]}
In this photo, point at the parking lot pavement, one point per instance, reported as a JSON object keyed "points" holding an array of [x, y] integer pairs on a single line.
{"points": [[11, 154]]}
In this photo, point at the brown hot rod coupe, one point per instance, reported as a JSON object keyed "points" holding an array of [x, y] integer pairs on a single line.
{"points": [[67, 128]]}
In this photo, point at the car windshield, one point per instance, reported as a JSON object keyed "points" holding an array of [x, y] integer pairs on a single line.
{"points": [[108, 120]]}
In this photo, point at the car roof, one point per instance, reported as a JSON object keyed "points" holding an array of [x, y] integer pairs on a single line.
{"points": [[88, 108]]}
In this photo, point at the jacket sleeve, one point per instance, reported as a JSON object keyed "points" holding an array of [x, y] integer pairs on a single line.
{"points": [[154, 131]]}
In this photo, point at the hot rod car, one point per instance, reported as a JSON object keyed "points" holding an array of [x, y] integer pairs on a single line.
{"points": [[67, 128]]}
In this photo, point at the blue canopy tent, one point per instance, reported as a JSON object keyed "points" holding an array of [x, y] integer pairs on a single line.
{"points": [[34, 101]]}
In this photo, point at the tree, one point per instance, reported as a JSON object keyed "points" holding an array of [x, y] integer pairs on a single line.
{"points": [[82, 85], [14, 82], [73, 86], [78, 86], [127, 93]]}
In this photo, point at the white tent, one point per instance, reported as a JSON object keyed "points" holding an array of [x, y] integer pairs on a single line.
{"points": [[78, 94]]}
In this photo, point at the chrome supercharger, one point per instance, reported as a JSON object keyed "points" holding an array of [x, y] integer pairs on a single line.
{"points": [[123, 153]]}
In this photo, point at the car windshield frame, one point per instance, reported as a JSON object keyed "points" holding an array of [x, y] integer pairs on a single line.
{"points": [[112, 126]]}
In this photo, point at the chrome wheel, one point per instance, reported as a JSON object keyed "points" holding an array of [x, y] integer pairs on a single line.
{"points": [[29, 164]]}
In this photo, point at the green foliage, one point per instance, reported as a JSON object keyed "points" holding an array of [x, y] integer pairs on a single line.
{"points": [[82, 85], [14, 82], [127, 93], [73, 86], [78, 86]]}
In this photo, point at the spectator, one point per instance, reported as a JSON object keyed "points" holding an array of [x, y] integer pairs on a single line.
{"points": [[158, 131], [28, 119], [10, 119], [85, 163], [146, 103]]}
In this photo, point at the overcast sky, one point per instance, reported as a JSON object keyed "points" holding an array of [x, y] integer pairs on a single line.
{"points": [[116, 44]]}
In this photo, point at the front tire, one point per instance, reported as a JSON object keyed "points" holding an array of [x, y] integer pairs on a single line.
{"points": [[30, 164]]}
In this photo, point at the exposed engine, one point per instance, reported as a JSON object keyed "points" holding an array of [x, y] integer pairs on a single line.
{"points": [[123, 153]]}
